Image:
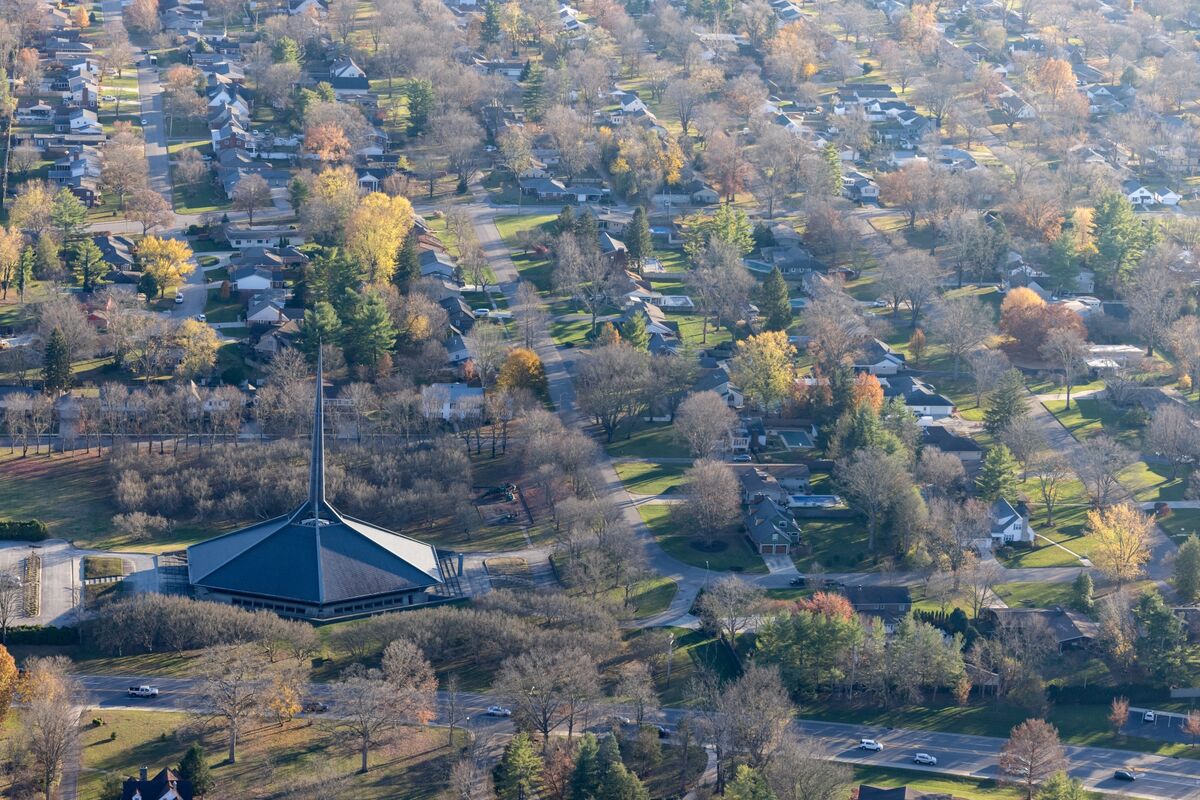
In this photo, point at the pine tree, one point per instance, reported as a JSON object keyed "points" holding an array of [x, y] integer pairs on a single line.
{"points": [[408, 262], [24, 275], [621, 784], [369, 331], [1121, 238], [56, 366], [1006, 403], [287, 51], [1187, 570], [1081, 592], [633, 331], [1062, 263], [68, 214], [194, 769], [833, 169], [321, 326], [585, 777], [774, 303], [86, 262], [748, 784], [637, 238], [566, 220], [998, 477], [519, 772], [533, 98], [419, 93], [489, 29]]}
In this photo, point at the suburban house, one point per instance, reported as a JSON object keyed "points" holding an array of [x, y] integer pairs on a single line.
{"points": [[450, 401], [269, 308], [1009, 525], [251, 279], [921, 398], [166, 785], [771, 528], [1069, 628], [718, 380], [883, 601], [795, 479], [241, 237], [956, 444], [758, 483], [880, 358], [556, 191]]}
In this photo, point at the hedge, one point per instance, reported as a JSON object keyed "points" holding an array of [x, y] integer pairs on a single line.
{"points": [[42, 635], [32, 530]]}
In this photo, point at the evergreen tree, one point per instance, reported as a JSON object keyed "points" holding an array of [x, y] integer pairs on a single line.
{"points": [[408, 262], [489, 29], [998, 477], [1187, 570], [1121, 238], [1062, 263], [87, 263], [638, 240], [727, 224], [287, 51], [321, 326], [68, 215], [533, 97], [419, 93], [774, 303], [1082, 590], [148, 285], [56, 364], [24, 274], [519, 772], [1162, 647], [833, 169], [566, 220], [621, 784], [748, 784], [633, 331], [1061, 786], [585, 777], [194, 768], [1006, 403], [369, 331], [586, 230]]}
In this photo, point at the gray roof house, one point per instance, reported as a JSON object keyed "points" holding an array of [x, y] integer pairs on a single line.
{"points": [[771, 528], [315, 563]]}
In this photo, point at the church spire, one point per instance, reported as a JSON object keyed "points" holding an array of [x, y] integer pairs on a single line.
{"points": [[316, 469]]}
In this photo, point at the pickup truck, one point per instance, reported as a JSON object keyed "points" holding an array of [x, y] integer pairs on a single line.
{"points": [[143, 691]]}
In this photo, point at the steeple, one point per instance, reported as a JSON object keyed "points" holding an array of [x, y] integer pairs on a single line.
{"points": [[316, 469]]}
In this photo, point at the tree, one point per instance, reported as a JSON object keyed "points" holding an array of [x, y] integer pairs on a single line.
{"points": [[518, 775], [68, 215], [1051, 471], [799, 771], [998, 477], [633, 332], [1032, 754], [1067, 350], [1061, 786], [1122, 536], [1120, 238], [11, 245], [1097, 463], [1081, 591], [194, 769], [123, 167], [1006, 404], [637, 687], [369, 334], [703, 422], [585, 776], [1155, 299], [748, 784], [1186, 578], [419, 94], [523, 369], [711, 501], [375, 231], [232, 690], [637, 239], [56, 365], [12, 602], [774, 303], [49, 726], [962, 325], [250, 194], [1162, 647], [759, 713], [23, 276], [1062, 262], [586, 276], [611, 384], [369, 711], [149, 209], [166, 259], [1172, 436], [727, 607], [1119, 713], [1183, 338], [873, 482], [189, 166], [198, 344], [764, 368], [9, 682], [727, 224]]}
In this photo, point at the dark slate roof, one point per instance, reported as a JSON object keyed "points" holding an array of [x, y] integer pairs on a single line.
{"points": [[315, 554], [948, 441], [157, 787], [866, 792], [877, 595]]}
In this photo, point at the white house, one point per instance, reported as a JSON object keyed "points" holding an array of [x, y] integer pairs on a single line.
{"points": [[718, 381], [450, 401], [1009, 525], [880, 358], [346, 68], [251, 279]]}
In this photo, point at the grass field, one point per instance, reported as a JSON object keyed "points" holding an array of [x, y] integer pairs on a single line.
{"points": [[271, 758], [837, 545], [509, 225], [651, 441], [1031, 594], [102, 567], [735, 557], [950, 785], [643, 477]]}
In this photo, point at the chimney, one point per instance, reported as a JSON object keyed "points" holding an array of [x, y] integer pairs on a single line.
{"points": [[144, 773]]}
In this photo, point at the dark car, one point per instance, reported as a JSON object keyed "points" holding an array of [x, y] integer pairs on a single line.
{"points": [[315, 707], [1125, 775], [799, 581]]}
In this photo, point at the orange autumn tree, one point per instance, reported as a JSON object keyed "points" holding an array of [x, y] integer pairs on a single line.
{"points": [[867, 391], [523, 370], [1026, 319]]}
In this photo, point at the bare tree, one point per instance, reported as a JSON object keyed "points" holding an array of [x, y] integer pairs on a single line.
{"points": [[962, 325], [250, 194], [704, 421], [1172, 436], [1032, 754], [586, 276], [800, 771], [49, 719], [1051, 471], [711, 501], [611, 384], [369, 711], [873, 482], [544, 687], [529, 314], [728, 606], [759, 712], [1067, 349], [1097, 462], [232, 690], [12, 598]]}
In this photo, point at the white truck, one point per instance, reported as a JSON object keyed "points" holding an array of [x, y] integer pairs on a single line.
{"points": [[143, 691]]}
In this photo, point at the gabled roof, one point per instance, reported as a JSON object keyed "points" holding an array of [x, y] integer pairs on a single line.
{"points": [[315, 554]]}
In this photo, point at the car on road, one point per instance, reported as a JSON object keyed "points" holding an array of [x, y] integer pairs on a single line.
{"points": [[617, 719], [1148, 717], [315, 707], [481, 313], [869, 744], [663, 731], [499, 711], [201, 318], [145, 122], [143, 691], [108, 98], [742, 458], [1125, 775], [925, 759], [799, 580], [178, 298]]}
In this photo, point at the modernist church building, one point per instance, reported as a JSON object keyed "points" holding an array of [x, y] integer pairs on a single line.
{"points": [[315, 563]]}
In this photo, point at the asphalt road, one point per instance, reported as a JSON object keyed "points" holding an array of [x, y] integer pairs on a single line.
{"points": [[957, 754]]}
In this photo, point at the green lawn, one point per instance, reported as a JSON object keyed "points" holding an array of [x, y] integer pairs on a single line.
{"points": [[641, 477], [651, 441], [1089, 416], [102, 567], [649, 597], [535, 269], [693, 651], [218, 310], [1030, 594], [1153, 482], [837, 545], [1042, 555], [509, 225], [196, 198], [949, 785], [735, 557], [1181, 523]]}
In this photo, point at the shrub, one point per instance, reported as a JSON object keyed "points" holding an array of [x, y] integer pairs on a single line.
{"points": [[32, 530]]}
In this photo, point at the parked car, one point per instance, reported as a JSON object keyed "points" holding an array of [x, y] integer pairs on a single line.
{"points": [[481, 313], [617, 719], [1125, 775], [499, 711], [315, 707], [799, 580], [143, 691], [925, 759], [870, 744], [109, 98], [178, 299], [1148, 717], [742, 458], [145, 122], [201, 318], [663, 731]]}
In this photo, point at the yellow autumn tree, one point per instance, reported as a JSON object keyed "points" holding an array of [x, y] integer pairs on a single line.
{"points": [[523, 370], [168, 260], [1120, 541], [765, 367], [375, 231], [198, 345]]}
